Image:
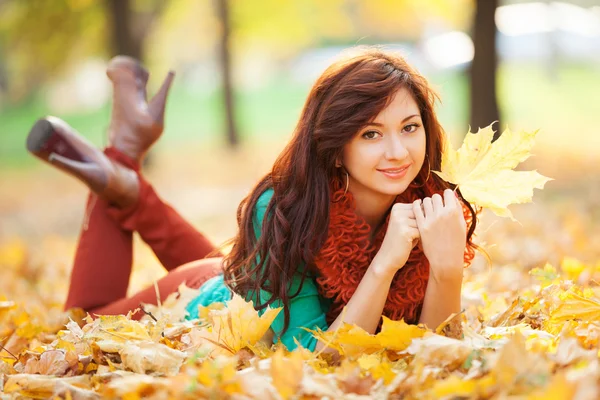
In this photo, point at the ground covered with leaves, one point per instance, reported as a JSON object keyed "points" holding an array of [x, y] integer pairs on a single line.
{"points": [[529, 330]]}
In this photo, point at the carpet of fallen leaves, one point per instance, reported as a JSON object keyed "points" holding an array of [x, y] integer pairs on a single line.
{"points": [[530, 327]]}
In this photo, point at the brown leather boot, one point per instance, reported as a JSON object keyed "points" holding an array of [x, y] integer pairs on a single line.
{"points": [[135, 124], [54, 141]]}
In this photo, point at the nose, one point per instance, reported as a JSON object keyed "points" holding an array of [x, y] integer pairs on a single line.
{"points": [[395, 148]]}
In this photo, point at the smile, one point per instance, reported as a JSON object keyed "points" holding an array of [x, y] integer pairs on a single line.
{"points": [[395, 173]]}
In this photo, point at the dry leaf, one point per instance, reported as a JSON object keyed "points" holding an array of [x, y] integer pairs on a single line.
{"points": [[41, 386], [286, 372], [150, 357], [237, 326], [51, 362], [439, 351], [574, 306], [111, 332], [353, 341]]}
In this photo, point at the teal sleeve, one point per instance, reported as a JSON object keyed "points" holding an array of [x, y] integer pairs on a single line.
{"points": [[305, 308], [212, 291]]}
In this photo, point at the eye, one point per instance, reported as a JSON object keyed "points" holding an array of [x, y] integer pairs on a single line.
{"points": [[370, 135], [410, 128]]}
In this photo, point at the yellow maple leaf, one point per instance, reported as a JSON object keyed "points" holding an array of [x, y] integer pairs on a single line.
{"points": [[287, 372], [484, 170], [378, 366], [398, 335], [545, 276], [353, 341], [349, 340], [219, 375], [572, 267], [454, 386], [574, 306], [237, 325]]}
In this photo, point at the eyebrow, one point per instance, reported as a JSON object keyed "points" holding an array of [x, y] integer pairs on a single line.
{"points": [[403, 121]]}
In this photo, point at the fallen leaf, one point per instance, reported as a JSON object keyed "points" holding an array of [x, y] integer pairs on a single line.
{"points": [[51, 362], [439, 351], [236, 326], [286, 372], [398, 335], [41, 386], [150, 357]]}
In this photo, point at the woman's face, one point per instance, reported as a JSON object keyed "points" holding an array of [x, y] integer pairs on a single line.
{"points": [[384, 157]]}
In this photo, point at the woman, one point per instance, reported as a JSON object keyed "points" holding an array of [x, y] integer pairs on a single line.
{"points": [[335, 224]]}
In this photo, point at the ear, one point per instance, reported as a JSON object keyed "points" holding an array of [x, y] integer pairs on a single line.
{"points": [[338, 162]]}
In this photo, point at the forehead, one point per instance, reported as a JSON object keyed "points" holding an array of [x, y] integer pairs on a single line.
{"points": [[401, 106]]}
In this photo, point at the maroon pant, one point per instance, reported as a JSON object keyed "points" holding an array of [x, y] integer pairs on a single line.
{"points": [[104, 256]]}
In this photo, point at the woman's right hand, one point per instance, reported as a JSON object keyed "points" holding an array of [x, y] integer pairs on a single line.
{"points": [[400, 238]]}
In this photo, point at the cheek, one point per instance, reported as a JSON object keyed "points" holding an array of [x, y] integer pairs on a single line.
{"points": [[419, 148], [360, 159]]}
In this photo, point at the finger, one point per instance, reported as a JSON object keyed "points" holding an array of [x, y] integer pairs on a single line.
{"points": [[403, 206], [437, 201], [412, 222], [450, 198], [416, 238], [427, 206], [414, 242], [418, 211], [414, 233], [402, 212], [458, 200]]}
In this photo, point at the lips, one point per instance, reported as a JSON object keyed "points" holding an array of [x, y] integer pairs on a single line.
{"points": [[395, 173]]}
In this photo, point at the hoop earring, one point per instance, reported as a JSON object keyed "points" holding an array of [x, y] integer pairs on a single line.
{"points": [[347, 183], [428, 173]]}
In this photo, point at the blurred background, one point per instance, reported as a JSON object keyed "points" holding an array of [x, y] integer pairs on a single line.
{"points": [[244, 68]]}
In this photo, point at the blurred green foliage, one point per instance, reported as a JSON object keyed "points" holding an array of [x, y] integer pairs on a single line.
{"points": [[270, 112]]}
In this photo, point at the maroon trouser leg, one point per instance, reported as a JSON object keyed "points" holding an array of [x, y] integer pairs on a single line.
{"points": [[104, 256]]}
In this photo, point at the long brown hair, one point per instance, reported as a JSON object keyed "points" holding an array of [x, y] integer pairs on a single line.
{"points": [[344, 99]]}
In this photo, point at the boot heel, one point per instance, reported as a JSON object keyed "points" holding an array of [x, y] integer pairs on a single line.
{"points": [[55, 142], [44, 139]]}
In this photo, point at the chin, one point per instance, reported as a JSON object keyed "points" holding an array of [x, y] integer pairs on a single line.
{"points": [[393, 190]]}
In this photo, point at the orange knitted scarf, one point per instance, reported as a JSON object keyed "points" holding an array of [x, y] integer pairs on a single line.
{"points": [[348, 252]]}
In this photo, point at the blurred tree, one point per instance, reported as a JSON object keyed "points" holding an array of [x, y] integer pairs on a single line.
{"points": [[484, 105], [43, 36], [225, 65], [131, 21], [124, 41]]}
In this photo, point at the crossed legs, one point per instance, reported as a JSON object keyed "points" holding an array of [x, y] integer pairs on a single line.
{"points": [[103, 260], [121, 201]]}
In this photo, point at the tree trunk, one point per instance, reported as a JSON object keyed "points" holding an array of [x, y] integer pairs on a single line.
{"points": [[124, 40], [484, 106], [225, 64]]}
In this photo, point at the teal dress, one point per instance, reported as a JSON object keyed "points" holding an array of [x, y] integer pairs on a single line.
{"points": [[307, 309]]}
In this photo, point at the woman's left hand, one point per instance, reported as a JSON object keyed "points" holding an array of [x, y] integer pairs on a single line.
{"points": [[443, 231]]}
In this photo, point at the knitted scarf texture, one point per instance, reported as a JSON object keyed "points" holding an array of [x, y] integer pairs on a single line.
{"points": [[349, 250]]}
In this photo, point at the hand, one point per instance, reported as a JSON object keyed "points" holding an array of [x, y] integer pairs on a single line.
{"points": [[443, 231], [401, 236]]}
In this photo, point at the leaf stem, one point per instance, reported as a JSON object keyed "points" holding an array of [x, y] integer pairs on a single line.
{"points": [[8, 351], [148, 313]]}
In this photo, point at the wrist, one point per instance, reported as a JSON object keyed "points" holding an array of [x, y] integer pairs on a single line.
{"points": [[381, 270], [446, 275]]}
